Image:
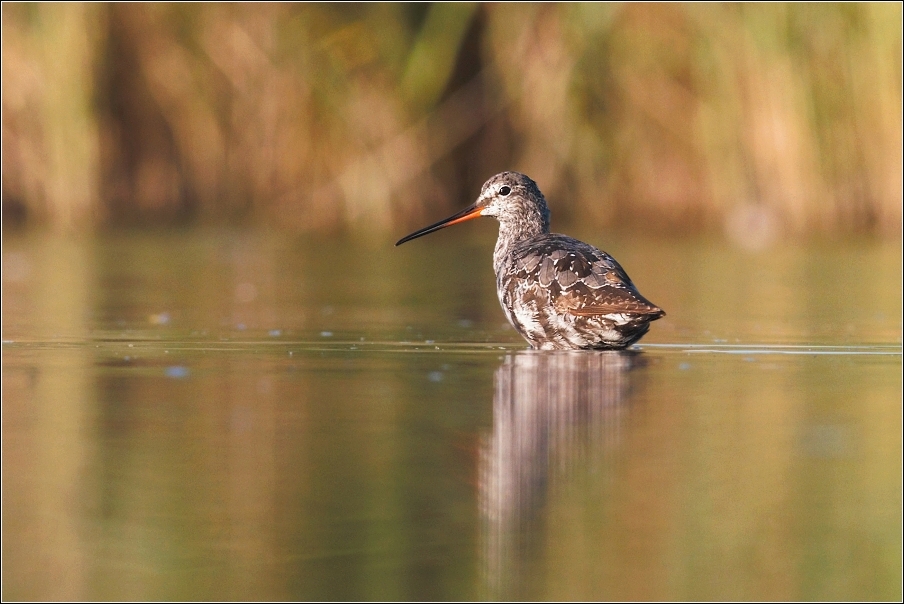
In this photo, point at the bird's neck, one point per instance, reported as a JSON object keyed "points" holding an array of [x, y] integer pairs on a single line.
{"points": [[512, 232]]}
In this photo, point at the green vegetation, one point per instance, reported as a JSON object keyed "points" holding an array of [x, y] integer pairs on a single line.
{"points": [[383, 116]]}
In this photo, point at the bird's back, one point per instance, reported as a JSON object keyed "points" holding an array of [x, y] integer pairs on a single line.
{"points": [[561, 293]]}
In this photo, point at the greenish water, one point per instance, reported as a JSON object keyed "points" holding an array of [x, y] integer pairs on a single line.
{"points": [[225, 415]]}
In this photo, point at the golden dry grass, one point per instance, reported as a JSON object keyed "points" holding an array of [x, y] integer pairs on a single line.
{"points": [[773, 118]]}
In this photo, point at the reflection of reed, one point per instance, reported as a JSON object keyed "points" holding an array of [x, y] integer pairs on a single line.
{"points": [[46, 412], [550, 412]]}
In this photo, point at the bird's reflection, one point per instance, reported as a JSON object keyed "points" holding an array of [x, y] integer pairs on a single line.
{"points": [[551, 412]]}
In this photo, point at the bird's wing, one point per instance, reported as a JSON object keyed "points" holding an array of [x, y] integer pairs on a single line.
{"points": [[583, 280]]}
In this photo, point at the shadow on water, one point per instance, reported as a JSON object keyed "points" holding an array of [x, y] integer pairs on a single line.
{"points": [[553, 414]]}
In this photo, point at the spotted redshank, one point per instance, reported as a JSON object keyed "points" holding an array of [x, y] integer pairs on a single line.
{"points": [[558, 292]]}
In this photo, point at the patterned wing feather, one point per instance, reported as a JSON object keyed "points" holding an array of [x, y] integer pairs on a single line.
{"points": [[580, 279]]}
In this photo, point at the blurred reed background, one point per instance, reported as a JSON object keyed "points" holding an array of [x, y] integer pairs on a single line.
{"points": [[381, 117]]}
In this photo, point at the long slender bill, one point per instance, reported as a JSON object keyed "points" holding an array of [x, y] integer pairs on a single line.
{"points": [[472, 211]]}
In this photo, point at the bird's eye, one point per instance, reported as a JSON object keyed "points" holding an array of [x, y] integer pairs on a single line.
{"points": [[505, 191]]}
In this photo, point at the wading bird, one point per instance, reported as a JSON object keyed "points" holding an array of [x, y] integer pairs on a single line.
{"points": [[558, 292]]}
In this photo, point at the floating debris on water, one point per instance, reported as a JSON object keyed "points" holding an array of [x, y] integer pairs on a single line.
{"points": [[176, 372]]}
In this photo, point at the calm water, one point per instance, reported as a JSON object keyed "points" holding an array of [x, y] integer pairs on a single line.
{"points": [[226, 415]]}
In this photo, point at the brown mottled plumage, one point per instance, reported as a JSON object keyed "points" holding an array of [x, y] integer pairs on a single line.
{"points": [[558, 292]]}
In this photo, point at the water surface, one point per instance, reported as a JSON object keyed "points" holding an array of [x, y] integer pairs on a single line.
{"points": [[224, 415]]}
